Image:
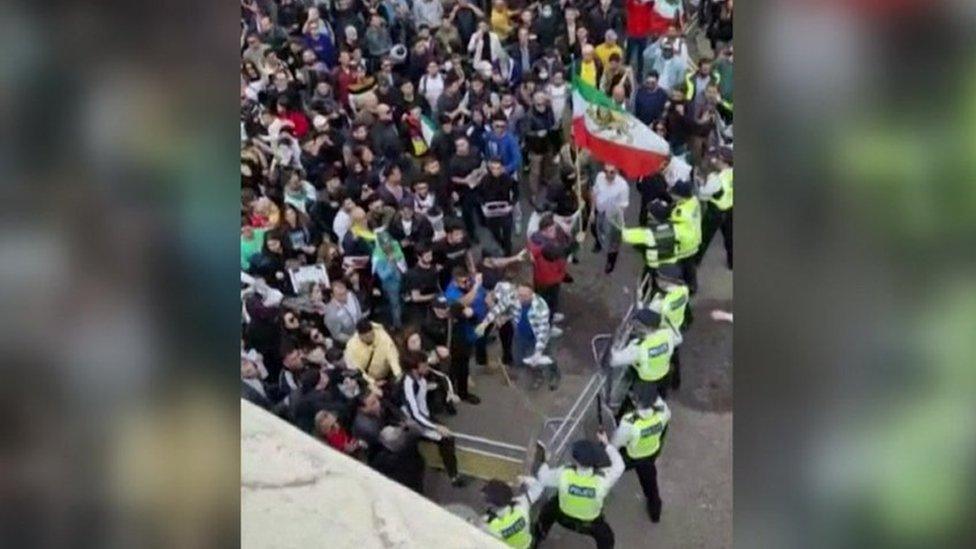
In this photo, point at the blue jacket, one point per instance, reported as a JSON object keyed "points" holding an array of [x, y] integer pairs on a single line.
{"points": [[649, 105], [507, 148], [324, 47]]}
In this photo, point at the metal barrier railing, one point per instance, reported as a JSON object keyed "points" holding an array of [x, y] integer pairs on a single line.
{"points": [[605, 388]]}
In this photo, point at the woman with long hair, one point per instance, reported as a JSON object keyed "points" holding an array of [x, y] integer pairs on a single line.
{"points": [[300, 238]]}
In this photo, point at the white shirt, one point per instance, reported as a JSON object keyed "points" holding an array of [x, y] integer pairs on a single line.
{"points": [[678, 170], [340, 225], [558, 95], [432, 87], [610, 197], [713, 184], [421, 205], [429, 12]]}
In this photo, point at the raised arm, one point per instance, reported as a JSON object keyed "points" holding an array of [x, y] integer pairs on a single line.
{"points": [[626, 356]]}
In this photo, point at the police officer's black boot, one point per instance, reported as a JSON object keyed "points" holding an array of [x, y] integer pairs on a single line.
{"points": [[690, 275], [611, 262], [676, 374], [654, 512]]}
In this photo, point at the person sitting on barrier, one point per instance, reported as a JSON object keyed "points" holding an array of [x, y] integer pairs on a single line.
{"points": [[531, 326], [650, 349], [582, 489], [508, 516], [372, 415], [441, 396], [641, 434], [397, 457], [413, 404]]}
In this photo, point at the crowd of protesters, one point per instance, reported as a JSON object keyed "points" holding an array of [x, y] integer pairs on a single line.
{"points": [[393, 153]]}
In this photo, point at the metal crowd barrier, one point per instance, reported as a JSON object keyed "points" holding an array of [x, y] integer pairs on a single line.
{"points": [[602, 396]]}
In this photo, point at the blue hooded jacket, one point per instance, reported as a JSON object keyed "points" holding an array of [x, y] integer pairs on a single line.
{"points": [[507, 148]]}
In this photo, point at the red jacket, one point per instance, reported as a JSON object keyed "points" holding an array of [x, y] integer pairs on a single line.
{"points": [[547, 273], [300, 122], [639, 19], [339, 439]]}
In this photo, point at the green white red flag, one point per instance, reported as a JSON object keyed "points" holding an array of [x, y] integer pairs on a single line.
{"points": [[614, 136]]}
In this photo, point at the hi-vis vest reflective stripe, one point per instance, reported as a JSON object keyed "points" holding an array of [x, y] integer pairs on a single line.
{"points": [[512, 528], [723, 198], [647, 439], [690, 90], [659, 241], [688, 210], [578, 495], [654, 355], [686, 217], [674, 305], [687, 240]]}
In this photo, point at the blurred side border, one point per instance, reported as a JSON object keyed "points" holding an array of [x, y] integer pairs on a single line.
{"points": [[118, 258], [855, 299]]}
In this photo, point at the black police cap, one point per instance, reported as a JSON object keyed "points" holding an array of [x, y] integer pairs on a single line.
{"points": [[589, 453]]}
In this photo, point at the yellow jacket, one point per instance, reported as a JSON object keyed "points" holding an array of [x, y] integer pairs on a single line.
{"points": [[604, 51], [376, 361]]}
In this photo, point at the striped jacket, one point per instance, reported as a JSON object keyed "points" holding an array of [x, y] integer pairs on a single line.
{"points": [[507, 304]]}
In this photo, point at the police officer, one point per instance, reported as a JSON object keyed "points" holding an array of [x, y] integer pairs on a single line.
{"points": [[650, 349], [670, 300], [658, 240], [717, 192], [686, 217], [641, 433], [582, 488], [507, 516]]}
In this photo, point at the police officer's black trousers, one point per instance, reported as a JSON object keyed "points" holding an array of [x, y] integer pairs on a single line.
{"points": [[598, 529], [689, 272], [646, 470], [675, 376], [714, 220]]}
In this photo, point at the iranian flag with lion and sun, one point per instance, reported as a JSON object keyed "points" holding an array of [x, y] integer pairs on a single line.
{"points": [[614, 136]]}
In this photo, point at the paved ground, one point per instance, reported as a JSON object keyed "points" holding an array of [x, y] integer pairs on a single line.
{"points": [[695, 469]]}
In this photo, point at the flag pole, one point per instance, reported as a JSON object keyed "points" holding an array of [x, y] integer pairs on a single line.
{"points": [[581, 235]]}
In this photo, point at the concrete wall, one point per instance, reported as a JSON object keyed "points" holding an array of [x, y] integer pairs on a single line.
{"points": [[297, 492]]}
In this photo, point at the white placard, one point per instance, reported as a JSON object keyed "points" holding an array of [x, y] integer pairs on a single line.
{"points": [[308, 274]]}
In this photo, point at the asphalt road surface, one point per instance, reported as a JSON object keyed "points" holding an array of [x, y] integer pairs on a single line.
{"points": [[695, 467]]}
